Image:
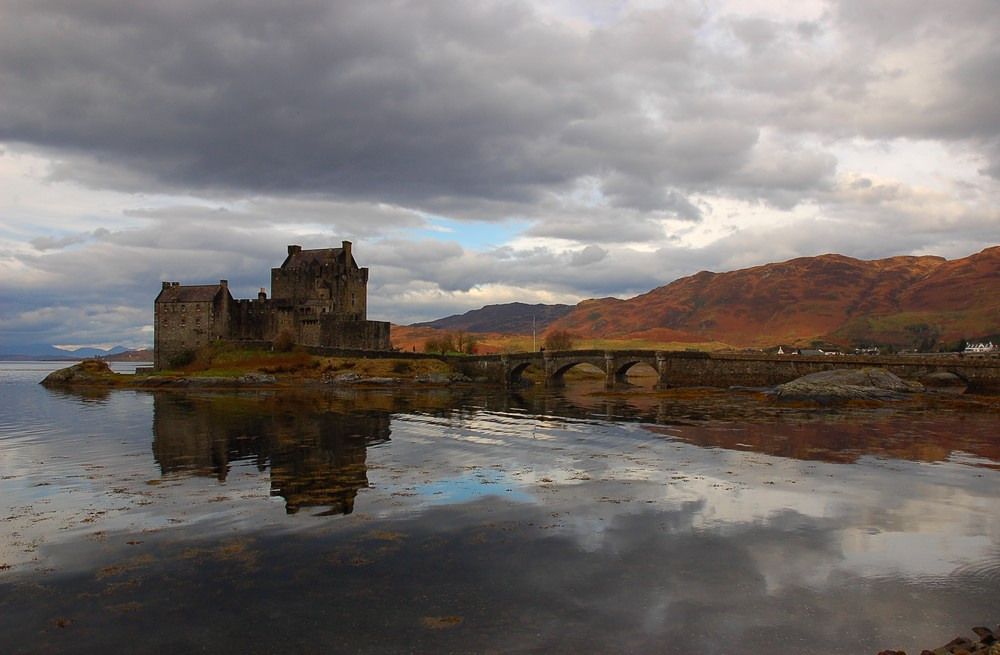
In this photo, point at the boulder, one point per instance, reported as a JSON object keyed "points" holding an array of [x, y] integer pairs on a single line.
{"points": [[846, 384], [944, 381], [257, 378], [432, 378], [88, 371], [341, 378]]}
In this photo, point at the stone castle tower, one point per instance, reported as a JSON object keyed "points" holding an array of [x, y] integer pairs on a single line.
{"points": [[319, 298]]}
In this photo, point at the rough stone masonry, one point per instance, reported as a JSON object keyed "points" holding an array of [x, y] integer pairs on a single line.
{"points": [[319, 298]]}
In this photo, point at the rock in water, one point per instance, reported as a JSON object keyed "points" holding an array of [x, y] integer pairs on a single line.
{"points": [[89, 370], [943, 381], [846, 384]]}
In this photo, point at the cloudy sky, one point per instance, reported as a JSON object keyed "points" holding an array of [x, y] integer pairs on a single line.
{"points": [[477, 152]]}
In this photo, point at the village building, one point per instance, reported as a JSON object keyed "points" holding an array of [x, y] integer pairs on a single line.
{"points": [[981, 347], [319, 298]]}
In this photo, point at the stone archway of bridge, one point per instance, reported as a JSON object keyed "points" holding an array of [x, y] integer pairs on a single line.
{"points": [[959, 374], [637, 372], [514, 377], [557, 377]]}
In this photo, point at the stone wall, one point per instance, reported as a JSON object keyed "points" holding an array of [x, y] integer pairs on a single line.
{"points": [[687, 369], [362, 335], [338, 290], [186, 326], [251, 320]]}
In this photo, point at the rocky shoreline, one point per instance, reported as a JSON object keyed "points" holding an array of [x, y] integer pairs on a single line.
{"points": [[987, 644], [824, 388], [97, 373]]}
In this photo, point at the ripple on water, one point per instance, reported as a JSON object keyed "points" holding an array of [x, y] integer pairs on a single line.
{"points": [[984, 572]]}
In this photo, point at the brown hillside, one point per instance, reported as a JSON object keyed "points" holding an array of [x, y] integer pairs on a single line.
{"points": [[830, 297]]}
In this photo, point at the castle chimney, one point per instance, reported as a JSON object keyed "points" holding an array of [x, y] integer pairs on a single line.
{"points": [[166, 285], [262, 295], [346, 246], [293, 250], [224, 284]]}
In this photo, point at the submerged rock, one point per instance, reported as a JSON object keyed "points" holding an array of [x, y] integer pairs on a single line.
{"points": [[846, 384], [432, 378], [257, 378], [354, 378], [341, 378]]}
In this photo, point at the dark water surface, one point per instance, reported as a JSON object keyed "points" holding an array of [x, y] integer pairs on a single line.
{"points": [[432, 521]]}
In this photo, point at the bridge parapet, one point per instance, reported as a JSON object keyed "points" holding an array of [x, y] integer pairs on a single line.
{"points": [[686, 368]]}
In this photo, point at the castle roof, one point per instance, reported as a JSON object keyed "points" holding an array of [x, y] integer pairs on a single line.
{"points": [[301, 259], [304, 258], [190, 293]]}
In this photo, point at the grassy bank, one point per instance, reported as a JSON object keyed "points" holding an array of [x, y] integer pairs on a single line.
{"points": [[226, 360]]}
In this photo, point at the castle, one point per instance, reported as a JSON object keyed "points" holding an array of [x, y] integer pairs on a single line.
{"points": [[319, 298]]}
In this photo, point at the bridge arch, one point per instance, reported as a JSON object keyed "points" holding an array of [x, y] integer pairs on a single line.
{"points": [[556, 377], [514, 376], [959, 374], [623, 368]]}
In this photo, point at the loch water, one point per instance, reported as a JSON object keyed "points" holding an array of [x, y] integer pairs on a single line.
{"points": [[479, 521]]}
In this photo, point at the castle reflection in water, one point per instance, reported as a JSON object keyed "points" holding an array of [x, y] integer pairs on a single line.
{"points": [[314, 446], [316, 457]]}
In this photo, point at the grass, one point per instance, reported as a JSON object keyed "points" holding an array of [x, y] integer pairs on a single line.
{"points": [[226, 360], [388, 368]]}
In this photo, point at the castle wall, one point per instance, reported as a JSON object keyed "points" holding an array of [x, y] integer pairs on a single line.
{"points": [[361, 335], [179, 327], [251, 320], [308, 331], [336, 289]]}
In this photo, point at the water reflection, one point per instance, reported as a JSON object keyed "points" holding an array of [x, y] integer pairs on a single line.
{"points": [[316, 457], [579, 521]]}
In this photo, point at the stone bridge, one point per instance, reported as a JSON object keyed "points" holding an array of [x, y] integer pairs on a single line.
{"points": [[685, 369]]}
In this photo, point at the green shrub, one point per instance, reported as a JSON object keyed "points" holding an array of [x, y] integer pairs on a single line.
{"points": [[182, 359]]}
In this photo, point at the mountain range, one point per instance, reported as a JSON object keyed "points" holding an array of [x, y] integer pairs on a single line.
{"points": [[41, 351], [908, 301], [509, 318]]}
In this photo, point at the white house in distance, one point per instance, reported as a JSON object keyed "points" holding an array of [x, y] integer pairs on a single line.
{"points": [[986, 347]]}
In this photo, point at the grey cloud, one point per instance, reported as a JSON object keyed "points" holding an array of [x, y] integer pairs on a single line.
{"points": [[589, 255], [643, 195], [480, 109], [54, 243], [306, 96], [756, 33], [891, 20], [620, 226], [405, 102]]}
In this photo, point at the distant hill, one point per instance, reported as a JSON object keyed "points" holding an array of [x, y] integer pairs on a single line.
{"points": [[46, 352], [141, 355], [509, 318], [904, 301]]}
